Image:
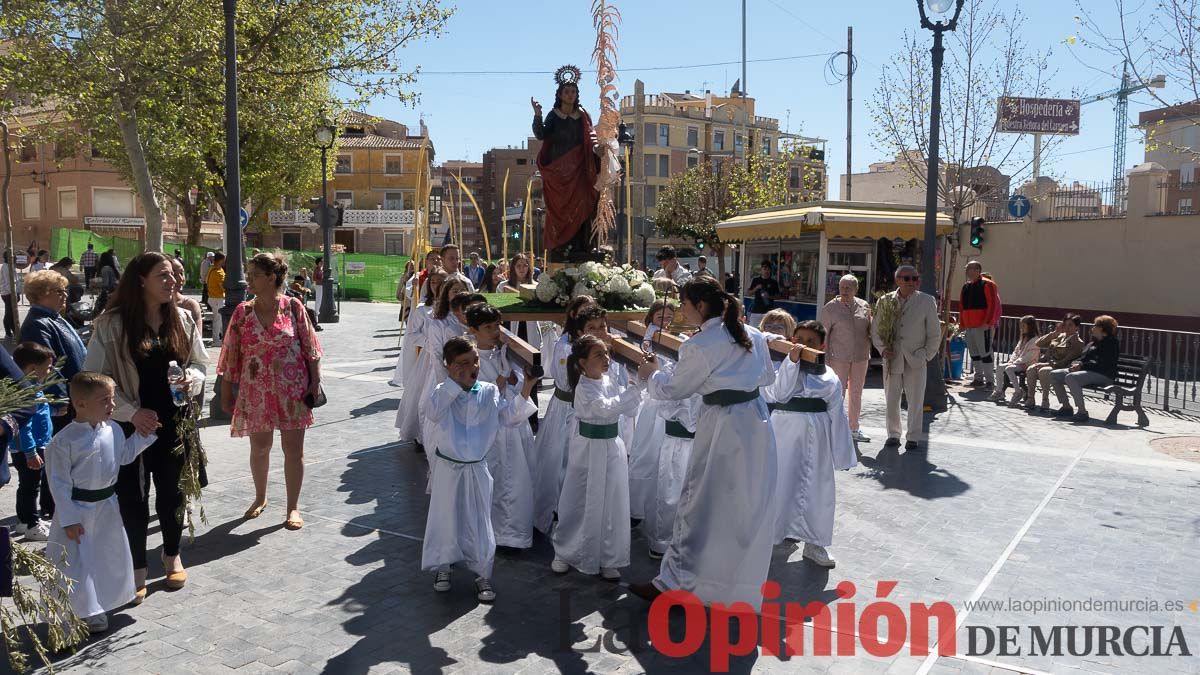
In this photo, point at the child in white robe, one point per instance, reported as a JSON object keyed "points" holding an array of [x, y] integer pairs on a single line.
{"points": [[594, 320], [554, 431], [592, 534], [414, 329], [812, 434], [649, 429], [417, 379], [87, 539], [465, 415], [508, 460], [443, 324]]}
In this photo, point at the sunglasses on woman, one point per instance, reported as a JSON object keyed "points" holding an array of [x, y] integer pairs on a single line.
{"points": [[910, 278]]}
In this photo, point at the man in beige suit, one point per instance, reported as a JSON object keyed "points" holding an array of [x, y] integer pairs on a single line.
{"points": [[918, 337]]}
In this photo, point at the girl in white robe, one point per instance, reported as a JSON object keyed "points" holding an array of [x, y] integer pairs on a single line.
{"points": [[82, 462], [465, 415], [554, 431], [812, 434], [441, 326], [508, 460], [649, 429], [678, 419], [416, 378], [592, 534], [412, 332], [725, 523]]}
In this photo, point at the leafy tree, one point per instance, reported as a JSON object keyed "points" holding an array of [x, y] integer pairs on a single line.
{"points": [[146, 80], [694, 201]]}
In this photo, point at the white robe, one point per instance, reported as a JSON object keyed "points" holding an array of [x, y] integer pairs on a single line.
{"points": [[508, 461], [99, 565], [554, 432], [593, 511], [436, 334], [463, 426], [663, 499], [725, 524], [649, 432], [413, 331], [811, 447], [417, 379]]}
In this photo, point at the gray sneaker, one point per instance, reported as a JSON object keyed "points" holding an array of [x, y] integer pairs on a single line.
{"points": [[819, 555], [441, 582], [97, 623], [859, 436], [483, 590]]}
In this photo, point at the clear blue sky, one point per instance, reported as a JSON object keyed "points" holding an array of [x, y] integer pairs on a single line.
{"points": [[470, 113]]}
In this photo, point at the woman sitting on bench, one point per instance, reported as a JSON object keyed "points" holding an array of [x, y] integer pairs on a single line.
{"points": [[1097, 367]]}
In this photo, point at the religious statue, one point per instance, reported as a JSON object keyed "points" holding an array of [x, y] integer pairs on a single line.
{"points": [[569, 166]]}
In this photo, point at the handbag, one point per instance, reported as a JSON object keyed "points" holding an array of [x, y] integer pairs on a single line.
{"points": [[309, 399]]}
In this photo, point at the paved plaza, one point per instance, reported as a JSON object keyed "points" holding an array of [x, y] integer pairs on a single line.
{"points": [[1004, 507]]}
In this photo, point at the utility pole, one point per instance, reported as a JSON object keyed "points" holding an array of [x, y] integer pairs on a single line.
{"points": [[849, 106], [745, 110]]}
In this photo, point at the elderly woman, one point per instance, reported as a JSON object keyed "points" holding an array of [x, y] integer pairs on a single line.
{"points": [[47, 293], [847, 321], [271, 351], [134, 342]]}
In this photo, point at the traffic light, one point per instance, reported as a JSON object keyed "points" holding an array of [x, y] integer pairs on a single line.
{"points": [[700, 244], [516, 233], [977, 232]]}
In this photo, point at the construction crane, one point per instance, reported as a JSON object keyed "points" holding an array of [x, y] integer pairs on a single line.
{"points": [[1121, 110]]}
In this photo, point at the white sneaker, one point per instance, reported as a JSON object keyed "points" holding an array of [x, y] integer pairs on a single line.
{"points": [[559, 567], [483, 590], [819, 555], [441, 582], [97, 624], [859, 436], [39, 532], [610, 574]]}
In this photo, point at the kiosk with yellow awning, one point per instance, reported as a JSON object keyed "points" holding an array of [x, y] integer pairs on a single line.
{"points": [[811, 246]]}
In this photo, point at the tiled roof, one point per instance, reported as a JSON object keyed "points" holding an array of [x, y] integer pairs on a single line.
{"points": [[373, 141]]}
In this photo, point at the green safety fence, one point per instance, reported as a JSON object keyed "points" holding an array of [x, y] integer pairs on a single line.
{"points": [[362, 276]]}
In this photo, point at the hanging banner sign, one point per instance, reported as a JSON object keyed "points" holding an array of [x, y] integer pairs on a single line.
{"points": [[1019, 115]]}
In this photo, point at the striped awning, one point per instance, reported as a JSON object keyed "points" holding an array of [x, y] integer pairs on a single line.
{"points": [[839, 220]]}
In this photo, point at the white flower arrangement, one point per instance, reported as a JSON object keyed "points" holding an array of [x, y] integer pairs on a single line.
{"points": [[616, 288]]}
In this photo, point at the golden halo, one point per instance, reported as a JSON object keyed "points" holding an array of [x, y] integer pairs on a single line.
{"points": [[568, 74]]}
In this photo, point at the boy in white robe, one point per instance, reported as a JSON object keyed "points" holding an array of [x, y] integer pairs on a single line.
{"points": [[649, 429], [508, 460], [464, 416], [812, 434], [87, 539], [592, 534]]}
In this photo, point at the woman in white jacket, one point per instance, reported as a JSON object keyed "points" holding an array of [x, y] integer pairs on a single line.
{"points": [[1025, 354]]}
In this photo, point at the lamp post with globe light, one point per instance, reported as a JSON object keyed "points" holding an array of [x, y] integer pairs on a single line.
{"points": [[935, 387], [326, 313]]}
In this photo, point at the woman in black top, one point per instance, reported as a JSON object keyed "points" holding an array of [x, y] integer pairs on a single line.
{"points": [[133, 342], [1097, 367]]}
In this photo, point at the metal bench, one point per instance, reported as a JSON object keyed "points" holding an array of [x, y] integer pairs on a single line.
{"points": [[1131, 377]]}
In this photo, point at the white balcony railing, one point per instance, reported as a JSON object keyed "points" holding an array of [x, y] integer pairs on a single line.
{"points": [[391, 218]]}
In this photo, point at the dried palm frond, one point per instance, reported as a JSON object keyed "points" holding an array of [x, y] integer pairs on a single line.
{"points": [[194, 461], [606, 19]]}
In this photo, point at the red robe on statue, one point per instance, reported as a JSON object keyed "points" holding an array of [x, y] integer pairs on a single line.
{"points": [[568, 185]]}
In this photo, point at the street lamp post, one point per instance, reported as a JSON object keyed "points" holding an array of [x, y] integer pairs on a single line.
{"points": [[625, 140], [326, 313], [935, 387], [235, 273]]}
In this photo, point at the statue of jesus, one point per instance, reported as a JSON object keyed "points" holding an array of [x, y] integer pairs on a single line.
{"points": [[569, 166]]}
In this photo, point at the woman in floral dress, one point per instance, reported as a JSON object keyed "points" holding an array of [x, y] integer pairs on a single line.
{"points": [[271, 351]]}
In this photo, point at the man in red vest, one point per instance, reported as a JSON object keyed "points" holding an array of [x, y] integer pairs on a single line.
{"points": [[978, 312]]}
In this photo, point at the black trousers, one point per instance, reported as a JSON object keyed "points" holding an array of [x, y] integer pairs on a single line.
{"points": [[10, 314], [160, 466], [32, 491]]}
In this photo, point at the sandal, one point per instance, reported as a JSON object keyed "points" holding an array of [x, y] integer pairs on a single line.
{"points": [[255, 511], [293, 523]]}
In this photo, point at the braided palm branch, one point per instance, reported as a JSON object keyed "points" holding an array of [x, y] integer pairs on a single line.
{"points": [[606, 18]]}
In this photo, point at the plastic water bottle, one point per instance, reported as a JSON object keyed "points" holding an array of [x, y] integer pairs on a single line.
{"points": [[175, 377]]}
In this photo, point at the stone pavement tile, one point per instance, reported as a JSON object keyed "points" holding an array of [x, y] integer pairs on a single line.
{"points": [[297, 668]]}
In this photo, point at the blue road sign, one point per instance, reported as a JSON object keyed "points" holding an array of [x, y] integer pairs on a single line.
{"points": [[1019, 206], [244, 217]]}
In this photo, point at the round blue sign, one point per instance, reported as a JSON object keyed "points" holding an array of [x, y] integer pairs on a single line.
{"points": [[1019, 206], [244, 217]]}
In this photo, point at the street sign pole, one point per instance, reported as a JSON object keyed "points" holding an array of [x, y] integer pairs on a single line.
{"points": [[1037, 156]]}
